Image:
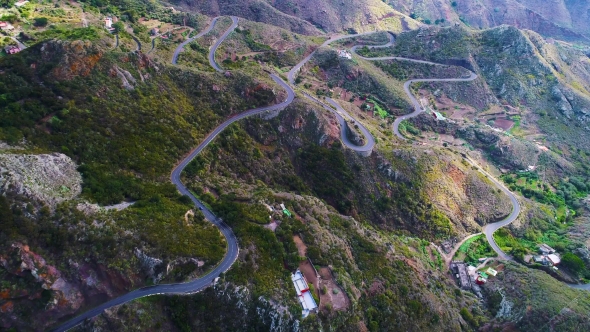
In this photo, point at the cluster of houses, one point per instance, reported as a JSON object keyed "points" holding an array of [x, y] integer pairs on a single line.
{"points": [[547, 256], [469, 278]]}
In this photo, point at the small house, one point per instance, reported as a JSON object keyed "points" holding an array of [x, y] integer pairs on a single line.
{"points": [[21, 3], [492, 272], [303, 293], [344, 54], [12, 49], [545, 249], [553, 259], [460, 270], [480, 280], [108, 23], [154, 31], [5, 26]]}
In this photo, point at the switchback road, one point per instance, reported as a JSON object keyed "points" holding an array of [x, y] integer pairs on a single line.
{"points": [[230, 239], [190, 40], [215, 46], [232, 243]]}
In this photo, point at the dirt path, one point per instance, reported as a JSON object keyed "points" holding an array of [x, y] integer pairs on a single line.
{"points": [[301, 247]]}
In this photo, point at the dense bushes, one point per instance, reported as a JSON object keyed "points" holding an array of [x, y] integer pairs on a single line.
{"points": [[326, 172]]}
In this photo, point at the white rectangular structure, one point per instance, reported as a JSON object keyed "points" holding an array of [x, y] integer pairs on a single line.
{"points": [[303, 294]]}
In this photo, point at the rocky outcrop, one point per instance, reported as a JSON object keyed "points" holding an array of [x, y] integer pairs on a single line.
{"points": [[65, 298], [49, 178], [152, 266], [73, 59]]}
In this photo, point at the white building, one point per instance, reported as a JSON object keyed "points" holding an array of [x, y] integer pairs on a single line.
{"points": [[303, 294], [108, 23], [344, 54], [554, 259]]}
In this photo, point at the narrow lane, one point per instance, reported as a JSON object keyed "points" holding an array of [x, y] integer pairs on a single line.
{"points": [[190, 40], [215, 46], [231, 255]]}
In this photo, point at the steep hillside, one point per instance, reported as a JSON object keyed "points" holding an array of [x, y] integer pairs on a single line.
{"points": [[520, 69], [535, 301], [311, 17], [562, 19], [104, 111]]}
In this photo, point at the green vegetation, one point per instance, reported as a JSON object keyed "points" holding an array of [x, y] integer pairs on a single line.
{"points": [[325, 170], [379, 110], [538, 299], [40, 21], [475, 248], [252, 44], [559, 204], [407, 127]]}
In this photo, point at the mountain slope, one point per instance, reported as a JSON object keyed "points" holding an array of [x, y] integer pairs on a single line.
{"points": [[306, 17], [561, 19]]}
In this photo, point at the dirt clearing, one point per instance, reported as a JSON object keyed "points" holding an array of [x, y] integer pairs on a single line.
{"points": [[331, 293], [301, 247]]}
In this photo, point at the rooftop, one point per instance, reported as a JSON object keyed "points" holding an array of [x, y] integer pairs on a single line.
{"points": [[303, 293]]}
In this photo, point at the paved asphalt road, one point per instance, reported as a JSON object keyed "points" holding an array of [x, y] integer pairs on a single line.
{"points": [[190, 40], [231, 240], [293, 72], [341, 114], [232, 243], [219, 41], [137, 42], [417, 107]]}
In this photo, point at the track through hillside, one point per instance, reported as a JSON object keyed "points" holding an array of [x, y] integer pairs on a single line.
{"points": [[231, 255], [231, 240], [489, 229]]}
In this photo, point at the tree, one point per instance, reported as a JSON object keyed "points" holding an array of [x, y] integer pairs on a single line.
{"points": [[40, 21], [7, 3], [118, 26], [573, 262]]}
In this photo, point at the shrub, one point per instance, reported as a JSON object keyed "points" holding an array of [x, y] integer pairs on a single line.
{"points": [[573, 262], [40, 21]]}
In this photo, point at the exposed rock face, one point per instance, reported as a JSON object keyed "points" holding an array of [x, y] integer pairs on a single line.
{"points": [[65, 299], [151, 265], [47, 294], [76, 58], [49, 178]]}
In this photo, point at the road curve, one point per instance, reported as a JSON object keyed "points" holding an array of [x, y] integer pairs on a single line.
{"points": [[231, 240], [295, 70], [137, 42], [190, 40], [341, 114], [215, 46], [489, 229], [417, 107]]}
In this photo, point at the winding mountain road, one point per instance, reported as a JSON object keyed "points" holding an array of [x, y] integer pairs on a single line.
{"points": [[190, 40], [230, 238], [215, 46], [489, 229]]}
